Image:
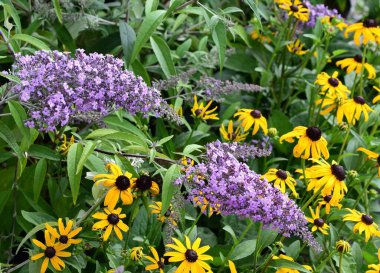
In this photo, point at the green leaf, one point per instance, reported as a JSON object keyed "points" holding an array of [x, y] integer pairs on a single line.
{"points": [[128, 38], [31, 40], [255, 10], [244, 249], [64, 36], [168, 186], [40, 151], [57, 8], [10, 77], [148, 26], [19, 115], [173, 5], [7, 135], [13, 13], [219, 36], [88, 149], [73, 158], [231, 232], [39, 178], [288, 264], [140, 70], [162, 52], [36, 218]]}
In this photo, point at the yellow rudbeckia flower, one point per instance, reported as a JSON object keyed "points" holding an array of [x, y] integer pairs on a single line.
{"points": [[200, 111], [281, 179], [156, 261], [372, 155], [251, 117], [366, 31], [65, 234], [331, 85], [110, 220], [352, 110], [317, 221], [356, 64], [296, 48], [295, 8], [364, 223], [232, 135], [377, 98]]}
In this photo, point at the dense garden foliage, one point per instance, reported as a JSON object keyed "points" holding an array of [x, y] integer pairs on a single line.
{"points": [[189, 136]]}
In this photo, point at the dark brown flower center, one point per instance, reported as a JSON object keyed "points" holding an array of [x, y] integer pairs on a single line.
{"points": [[191, 256], [294, 8], [319, 222], [281, 174], [378, 160], [144, 182], [198, 112], [49, 252], [160, 264], [113, 219], [366, 219], [314, 133], [369, 23], [231, 136], [338, 172], [334, 82], [63, 239], [359, 58], [256, 114], [359, 100], [327, 198], [168, 213], [340, 248], [122, 183]]}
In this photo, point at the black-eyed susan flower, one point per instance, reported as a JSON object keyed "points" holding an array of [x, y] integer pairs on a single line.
{"points": [[352, 109], [110, 220], [342, 246], [377, 98], [281, 179], [333, 21], [52, 253], [200, 111], [157, 208], [65, 235], [364, 223], [356, 64], [329, 103], [191, 256], [328, 202], [253, 117], [296, 48], [136, 253], [65, 146], [231, 134], [156, 261], [120, 184], [329, 178], [288, 270], [331, 85], [366, 31], [375, 267], [311, 143], [372, 155], [295, 8], [145, 184], [317, 221]]}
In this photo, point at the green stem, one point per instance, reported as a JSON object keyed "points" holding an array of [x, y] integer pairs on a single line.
{"points": [[257, 250], [194, 223], [340, 263], [90, 210]]}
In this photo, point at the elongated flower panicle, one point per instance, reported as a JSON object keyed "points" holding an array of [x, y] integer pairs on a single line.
{"points": [[318, 11], [56, 87], [225, 181]]}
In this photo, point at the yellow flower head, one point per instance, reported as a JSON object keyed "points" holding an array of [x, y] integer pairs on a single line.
{"points": [[65, 234], [281, 179], [230, 134], [121, 185], [191, 256], [366, 31], [333, 21], [377, 98], [356, 64], [144, 184], [253, 117], [329, 178], [157, 262], [65, 146], [332, 85], [288, 270], [329, 103], [157, 208], [296, 48], [317, 221], [364, 223], [52, 253], [328, 202], [110, 220], [136, 253], [343, 246], [295, 8], [352, 110], [311, 143], [200, 111], [372, 155]]}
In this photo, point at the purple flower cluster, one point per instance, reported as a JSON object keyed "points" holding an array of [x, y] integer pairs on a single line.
{"points": [[233, 188], [318, 11], [245, 151], [56, 87]]}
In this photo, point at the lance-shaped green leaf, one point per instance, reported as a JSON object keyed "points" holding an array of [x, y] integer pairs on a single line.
{"points": [[31, 40], [168, 186], [73, 157], [39, 178], [164, 57]]}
